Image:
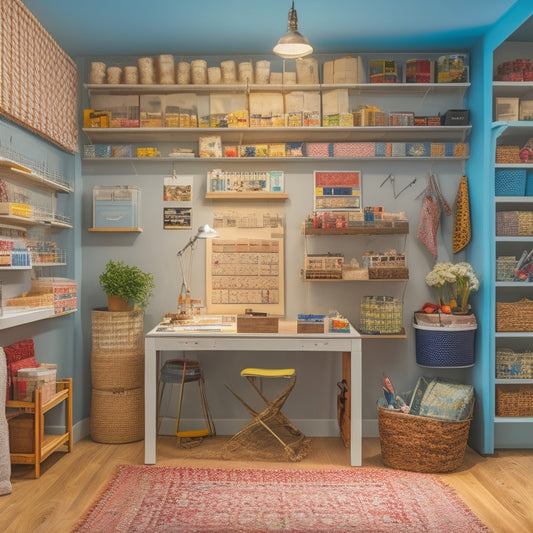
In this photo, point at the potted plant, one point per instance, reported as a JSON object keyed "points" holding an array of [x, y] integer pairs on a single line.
{"points": [[129, 284]]}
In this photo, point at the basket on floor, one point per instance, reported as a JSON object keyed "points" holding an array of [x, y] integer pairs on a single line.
{"points": [[117, 416], [421, 444]]}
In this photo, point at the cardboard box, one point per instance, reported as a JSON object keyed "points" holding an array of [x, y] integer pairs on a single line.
{"points": [[506, 109], [343, 70], [30, 379]]}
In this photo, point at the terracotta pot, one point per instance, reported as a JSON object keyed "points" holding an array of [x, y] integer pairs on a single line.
{"points": [[117, 303]]}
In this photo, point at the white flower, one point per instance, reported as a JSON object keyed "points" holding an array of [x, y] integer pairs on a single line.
{"points": [[440, 275]]}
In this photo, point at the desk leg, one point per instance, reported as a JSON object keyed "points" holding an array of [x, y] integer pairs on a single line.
{"points": [[356, 397], [150, 399]]}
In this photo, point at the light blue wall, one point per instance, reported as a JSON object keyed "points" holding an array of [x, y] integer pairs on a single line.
{"points": [[57, 340]]}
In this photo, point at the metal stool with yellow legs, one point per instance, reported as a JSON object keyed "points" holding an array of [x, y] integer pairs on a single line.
{"points": [[184, 371], [271, 420]]}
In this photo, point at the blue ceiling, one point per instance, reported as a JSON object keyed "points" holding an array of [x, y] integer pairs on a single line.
{"points": [[137, 27]]}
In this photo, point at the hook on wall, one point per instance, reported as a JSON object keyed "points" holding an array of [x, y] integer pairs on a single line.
{"points": [[392, 179]]}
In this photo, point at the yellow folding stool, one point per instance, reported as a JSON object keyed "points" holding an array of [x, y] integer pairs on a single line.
{"points": [[271, 419]]}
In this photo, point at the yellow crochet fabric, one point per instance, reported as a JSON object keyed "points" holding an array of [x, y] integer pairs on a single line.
{"points": [[462, 231]]}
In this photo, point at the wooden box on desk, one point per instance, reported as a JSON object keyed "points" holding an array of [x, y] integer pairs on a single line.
{"points": [[310, 327], [257, 324]]}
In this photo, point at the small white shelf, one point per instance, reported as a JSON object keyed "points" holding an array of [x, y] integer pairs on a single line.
{"points": [[513, 381]]}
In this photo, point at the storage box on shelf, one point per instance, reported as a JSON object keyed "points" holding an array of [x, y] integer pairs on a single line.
{"points": [[29, 443]]}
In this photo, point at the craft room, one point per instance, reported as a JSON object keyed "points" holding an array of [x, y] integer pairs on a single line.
{"points": [[298, 237]]}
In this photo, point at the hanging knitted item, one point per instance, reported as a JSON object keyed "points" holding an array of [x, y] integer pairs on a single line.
{"points": [[462, 230], [428, 225]]}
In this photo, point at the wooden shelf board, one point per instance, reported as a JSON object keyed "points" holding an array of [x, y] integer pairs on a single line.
{"points": [[116, 230], [285, 134], [247, 195], [357, 230], [358, 280]]}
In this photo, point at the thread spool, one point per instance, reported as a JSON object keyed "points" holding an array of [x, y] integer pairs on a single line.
{"points": [[199, 72], [183, 73], [246, 73], [262, 72], [165, 69], [114, 75], [97, 73], [131, 75], [229, 71], [146, 70], [214, 75]]}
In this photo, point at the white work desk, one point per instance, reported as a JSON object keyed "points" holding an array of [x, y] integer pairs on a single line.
{"points": [[287, 340]]}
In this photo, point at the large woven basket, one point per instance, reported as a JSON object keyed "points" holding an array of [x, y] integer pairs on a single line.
{"points": [[510, 181], [117, 370], [117, 416], [514, 316], [421, 444], [117, 331]]}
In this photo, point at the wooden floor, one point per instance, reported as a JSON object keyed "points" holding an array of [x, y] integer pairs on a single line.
{"points": [[498, 488]]}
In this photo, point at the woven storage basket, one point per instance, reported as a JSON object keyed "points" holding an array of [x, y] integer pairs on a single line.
{"points": [[514, 316], [445, 347], [510, 181], [117, 331], [525, 223], [514, 400], [508, 154], [514, 365], [507, 223], [117, 416], [115, 370], [506, 268], [529, 184], [421, 444]]}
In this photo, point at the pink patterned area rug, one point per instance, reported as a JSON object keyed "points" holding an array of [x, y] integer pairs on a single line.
{"points": [[165, 499]]}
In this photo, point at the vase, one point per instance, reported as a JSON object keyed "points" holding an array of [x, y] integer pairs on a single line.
{"points": [[117, 303]]}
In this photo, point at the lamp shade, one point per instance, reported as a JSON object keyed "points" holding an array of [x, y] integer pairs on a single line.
{"points": [[206, 232], [293, 44]]}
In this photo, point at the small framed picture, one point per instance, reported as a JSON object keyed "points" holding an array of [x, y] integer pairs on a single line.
{"points": [[177, 188], [177, 217]]}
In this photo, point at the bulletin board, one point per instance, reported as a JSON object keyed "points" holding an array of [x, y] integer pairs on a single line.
{"points": [[244, 265]]}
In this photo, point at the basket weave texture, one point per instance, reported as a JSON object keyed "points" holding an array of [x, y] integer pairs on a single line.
{"points": [[510, 181], [514, 400], [117, 416], [421, 444], [507, 154], [514, 316], [514, 365], [117, 331], [506, 268], [112, 370], [38, 80]]}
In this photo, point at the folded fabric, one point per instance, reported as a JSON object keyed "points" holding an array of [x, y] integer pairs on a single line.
{"points": [[441, 399]]}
